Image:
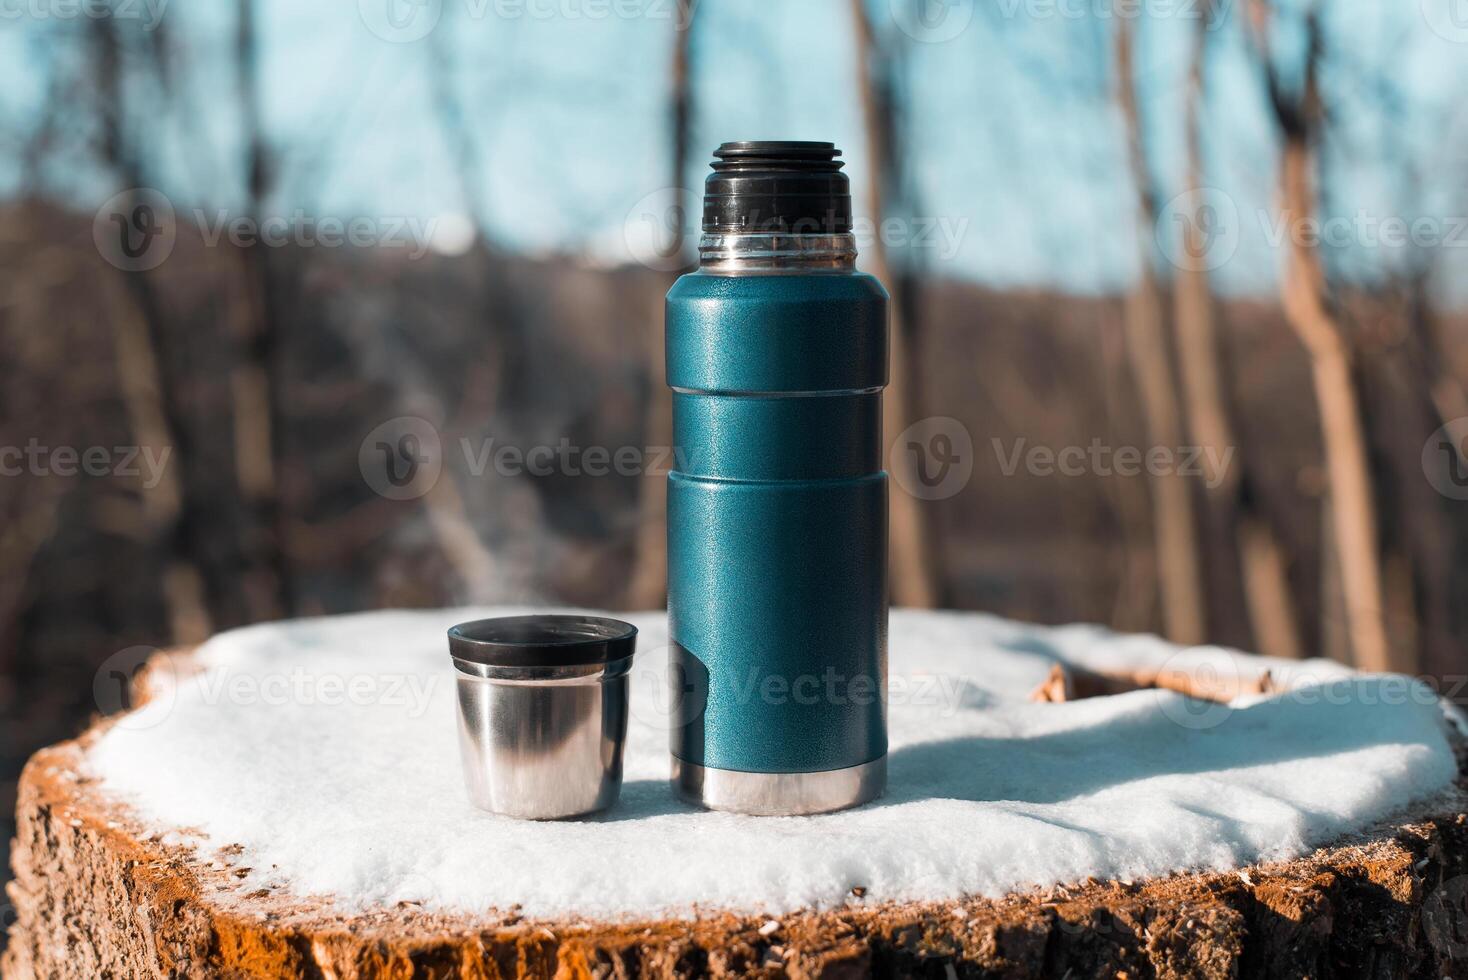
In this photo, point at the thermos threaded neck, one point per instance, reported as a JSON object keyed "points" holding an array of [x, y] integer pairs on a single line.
{"points": [[777, 186], [777, 205]]}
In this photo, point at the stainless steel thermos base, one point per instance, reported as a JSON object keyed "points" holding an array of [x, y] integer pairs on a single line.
{"points": [[768, 794]]}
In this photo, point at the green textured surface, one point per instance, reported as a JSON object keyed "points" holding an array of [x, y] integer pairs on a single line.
{"points": [[777, 523]]}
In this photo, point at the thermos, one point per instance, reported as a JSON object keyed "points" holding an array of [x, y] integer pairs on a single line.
{"points": [[777, 514]]}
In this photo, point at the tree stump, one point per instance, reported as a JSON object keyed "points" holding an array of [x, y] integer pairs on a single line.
{"points": [[101, 892]]}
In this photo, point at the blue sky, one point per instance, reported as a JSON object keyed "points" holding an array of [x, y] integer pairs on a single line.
{"points": [[1013, 138]]}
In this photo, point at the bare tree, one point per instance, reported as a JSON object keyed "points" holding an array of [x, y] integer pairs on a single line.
{"points": [[648, 586], [1179, 573], [913, 569], [1298, 116], [1233, 502], [1409, 383], [146, 379], [258, 375]]}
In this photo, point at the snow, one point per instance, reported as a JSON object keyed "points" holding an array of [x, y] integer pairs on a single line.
{"points": [[327, 749]]}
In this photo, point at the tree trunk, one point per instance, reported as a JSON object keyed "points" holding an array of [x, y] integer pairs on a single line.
{"points": [[150, 395], [1233, 511], [648, 586], [913, 570], [259, 407], [1351, 501], [1179, 574], [97, 894]]}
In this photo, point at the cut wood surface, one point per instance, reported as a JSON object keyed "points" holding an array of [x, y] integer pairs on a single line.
{"points": [[98, 896], [101, 892]]}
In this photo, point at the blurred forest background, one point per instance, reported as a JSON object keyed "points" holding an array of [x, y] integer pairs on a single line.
{"points": [[1156, 224]]}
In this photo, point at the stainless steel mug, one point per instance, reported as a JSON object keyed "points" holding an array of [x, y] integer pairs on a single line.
{"points": [[543, 712]]}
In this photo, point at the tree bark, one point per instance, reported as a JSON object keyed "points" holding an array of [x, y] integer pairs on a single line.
{"points": [[1233, 511], [1351, 499], [97, 894], [256, 384], [914, 575], [648, 586], [174, 513], [1179, 573]]}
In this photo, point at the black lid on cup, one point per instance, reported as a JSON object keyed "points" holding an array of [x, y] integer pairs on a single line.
{"points": [[542, 640]]}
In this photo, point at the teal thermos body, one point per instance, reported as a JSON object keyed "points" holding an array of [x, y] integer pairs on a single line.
{"points": [[777, 508]]}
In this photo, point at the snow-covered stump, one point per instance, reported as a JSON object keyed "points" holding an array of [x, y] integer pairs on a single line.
{"points": [[288, 803]]}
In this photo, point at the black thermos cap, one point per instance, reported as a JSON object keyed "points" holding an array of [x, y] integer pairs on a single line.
{"points": [[787, 186]]}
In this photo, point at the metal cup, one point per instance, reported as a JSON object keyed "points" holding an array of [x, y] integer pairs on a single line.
{"points": [[543, 712]]}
